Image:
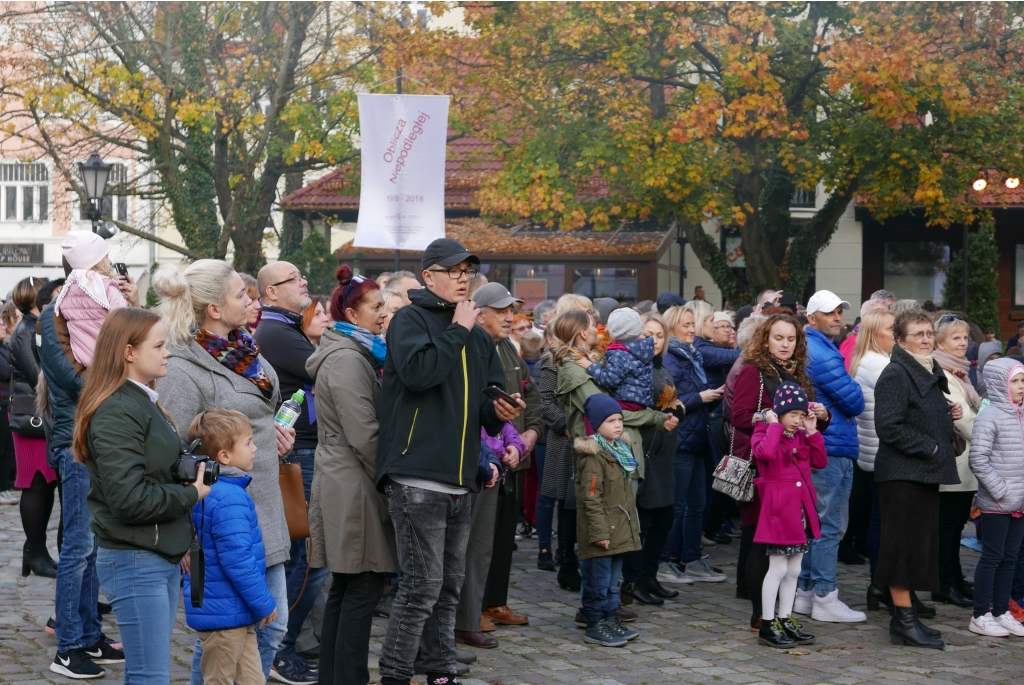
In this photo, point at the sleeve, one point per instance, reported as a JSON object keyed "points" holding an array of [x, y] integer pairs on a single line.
{"points": [[22, 354], [718, 357], [5, 364], [764, 444], [289, 353], [843, 391], [233, 537], [686, 390], [510, 438], [819, 458], [891, 421], [589, 493], [489, 420], [114, 296], [488, 457], [532, 418], [983, 440], [610, 374], [356, 412], [421, 361], [551, 412]]}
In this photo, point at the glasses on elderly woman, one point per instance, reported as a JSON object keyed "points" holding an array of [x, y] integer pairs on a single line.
{"points": [[950, 318], [921, 335]]}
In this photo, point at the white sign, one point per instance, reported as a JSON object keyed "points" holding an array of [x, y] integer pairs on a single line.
{"points": [[401, 203]]}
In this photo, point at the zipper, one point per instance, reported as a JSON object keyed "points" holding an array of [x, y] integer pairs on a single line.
{"points": [[157, 540], [411, 429], [465, 412], [623, 510]]}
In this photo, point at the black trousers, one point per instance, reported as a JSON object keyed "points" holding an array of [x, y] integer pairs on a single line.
{"points": [[496, 592], [751, 568], [856, 538], [954, 510], [348, 618], [655, 525]]}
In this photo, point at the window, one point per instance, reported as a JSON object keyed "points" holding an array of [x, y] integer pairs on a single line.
{"points": [[618, 283], [533, 283], [113, 206], [1018, 276], [803, 198], [29, 183], [915, 270]]}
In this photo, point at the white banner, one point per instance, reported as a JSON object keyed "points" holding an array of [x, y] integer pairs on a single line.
{"points": [[401, 202]]}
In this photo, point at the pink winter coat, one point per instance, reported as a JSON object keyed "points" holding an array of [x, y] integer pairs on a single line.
{"points": [[85, 317], [784, 483]]}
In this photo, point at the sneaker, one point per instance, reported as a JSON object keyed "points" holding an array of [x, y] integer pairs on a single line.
{"points": [[1016, 611], [700, 572], [292, 672], [603, 634], [518, 537], [75, 664], [525, 530], [987, 625], [730, 529], [804, 602], [830, 609], [104, 653], [705, 541], [1011, 624], [9, 497], [669, 572], [621, 630]]}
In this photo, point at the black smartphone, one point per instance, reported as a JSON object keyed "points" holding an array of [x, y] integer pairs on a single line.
{"points": [[121, 268], [493, 392]]}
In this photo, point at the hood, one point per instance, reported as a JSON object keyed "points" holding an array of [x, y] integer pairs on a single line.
{"points": [[330, 342], [997, 377], [588, 446], [422, 297], [986, 349]]}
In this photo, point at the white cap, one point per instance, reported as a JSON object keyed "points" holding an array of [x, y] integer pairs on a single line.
{"points": [[825, 301], [84, 249]]}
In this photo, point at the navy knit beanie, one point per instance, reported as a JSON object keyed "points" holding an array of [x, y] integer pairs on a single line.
{"points": [[598, 408], [789, 397]]}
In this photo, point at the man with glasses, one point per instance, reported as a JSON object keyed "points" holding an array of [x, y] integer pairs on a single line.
{"points": [[432, 408]]}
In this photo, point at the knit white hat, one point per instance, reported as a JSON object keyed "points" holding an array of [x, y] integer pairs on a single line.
{"points": [[624, 325], [84, 249]]}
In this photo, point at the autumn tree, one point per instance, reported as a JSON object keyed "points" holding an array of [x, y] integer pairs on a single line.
{"points": [[690, 112]]}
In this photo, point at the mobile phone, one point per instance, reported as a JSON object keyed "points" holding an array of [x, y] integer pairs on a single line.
{"points": [[493, 392], [121, 268]]}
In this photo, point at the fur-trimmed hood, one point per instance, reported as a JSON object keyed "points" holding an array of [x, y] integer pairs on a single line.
{"points": [[589, 447]]}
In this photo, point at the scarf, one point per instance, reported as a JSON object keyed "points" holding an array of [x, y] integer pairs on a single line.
{"points": [[620, 451], [374, 344], [565, 353], [781, 375], [272, 313], [924, 360], [695, 357], [239, 353], [787, 365], [91, 283], [955, 366]]}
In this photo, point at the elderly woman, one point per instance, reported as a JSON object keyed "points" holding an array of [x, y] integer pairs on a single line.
{"points": [[914, 423]]}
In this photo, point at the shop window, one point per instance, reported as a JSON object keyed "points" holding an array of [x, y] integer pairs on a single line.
{"points": [[915, 270], [1018, 276], [533, 283], [620, 284]]}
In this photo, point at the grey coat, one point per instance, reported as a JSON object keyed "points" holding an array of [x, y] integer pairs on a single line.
{"points": [[997, 444], [349, 525], [914, 423], [560, 459], [195, 382]]}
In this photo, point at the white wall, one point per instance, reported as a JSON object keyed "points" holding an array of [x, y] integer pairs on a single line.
{"points": [[840, 265]]}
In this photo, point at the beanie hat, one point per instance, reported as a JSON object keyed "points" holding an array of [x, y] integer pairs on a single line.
{"points": [[84, 249], [789, 397], [598, 408], [624, 325]]}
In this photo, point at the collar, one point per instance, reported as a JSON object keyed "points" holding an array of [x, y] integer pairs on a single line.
{"points": [[153, 396], [811, 330], [923, 380], [269, 311]]}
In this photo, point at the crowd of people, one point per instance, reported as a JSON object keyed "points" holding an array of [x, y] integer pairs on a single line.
{"points": [[433, 425]]}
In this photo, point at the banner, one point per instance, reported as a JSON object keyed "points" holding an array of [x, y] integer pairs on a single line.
{"points": [[401, 202]]}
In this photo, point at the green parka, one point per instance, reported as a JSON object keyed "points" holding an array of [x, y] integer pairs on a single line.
{"points": [[605, 508]]}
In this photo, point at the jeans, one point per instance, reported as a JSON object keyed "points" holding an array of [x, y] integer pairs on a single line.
{"points": [[833, 484], [993, 575], [599, 590], [545, 521], [144, 589], [655, 525], [432, 531], [954, 510], [348, 618], [78, 586], [684, 539]]}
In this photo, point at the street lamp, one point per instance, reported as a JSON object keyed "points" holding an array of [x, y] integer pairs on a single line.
{"points": [[95, 173]]}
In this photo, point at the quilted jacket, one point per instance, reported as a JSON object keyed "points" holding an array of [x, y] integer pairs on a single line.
{"points": [[626, 371], [694, 427], [718, 361], [868, 371], [85, 316], [837, 391], [997, 443]]}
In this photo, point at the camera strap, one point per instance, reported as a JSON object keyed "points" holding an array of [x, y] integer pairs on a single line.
{"points": [[197, 568]]}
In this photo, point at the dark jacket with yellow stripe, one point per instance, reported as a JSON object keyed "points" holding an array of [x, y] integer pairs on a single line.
{"points": [[432, 401]]}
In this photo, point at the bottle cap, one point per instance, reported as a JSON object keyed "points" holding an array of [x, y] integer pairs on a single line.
{"points": [[299, 396]]}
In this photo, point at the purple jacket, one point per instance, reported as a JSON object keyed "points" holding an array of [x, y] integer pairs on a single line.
{"points": [[509, 438], [784, 483]]}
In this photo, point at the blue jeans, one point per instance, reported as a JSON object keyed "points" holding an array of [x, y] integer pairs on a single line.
{"points": [[684, 539], [993, 576], [599, 589], [78, 586], [833, 485], [545, 519], [144, 589], [268, 637]]}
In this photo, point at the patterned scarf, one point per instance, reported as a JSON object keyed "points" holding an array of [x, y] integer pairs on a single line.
{"points": [[695, 357], [787, 365], [374, 344], [239, 353], [620, 451], [565, 353]]}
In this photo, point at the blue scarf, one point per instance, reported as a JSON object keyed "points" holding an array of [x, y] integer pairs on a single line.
{"points": [[620, 451], [695, 357], [376, 346]]}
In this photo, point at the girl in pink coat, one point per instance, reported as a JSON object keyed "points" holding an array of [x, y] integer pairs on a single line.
{"points": [[786, 446]]}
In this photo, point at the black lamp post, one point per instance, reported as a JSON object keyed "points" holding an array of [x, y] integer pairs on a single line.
{"points": [[95, 173]]}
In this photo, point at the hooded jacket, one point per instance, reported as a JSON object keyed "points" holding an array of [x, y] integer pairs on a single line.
{"points": [[626, 371], [837, 391], [432, 400], [85, 316], [605, 508], [986, 350], [997, 443]]}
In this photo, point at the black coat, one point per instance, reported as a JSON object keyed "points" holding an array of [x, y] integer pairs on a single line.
{"points": [[914, 423], [24, 364], [658, 488], [286, 347]]}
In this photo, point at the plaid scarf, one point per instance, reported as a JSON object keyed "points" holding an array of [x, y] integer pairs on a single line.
{"points": [[565, 353], [620, 451], [239, 353]]}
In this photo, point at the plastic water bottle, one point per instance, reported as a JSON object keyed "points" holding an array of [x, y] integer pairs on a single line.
{"points": [[289, 412]]}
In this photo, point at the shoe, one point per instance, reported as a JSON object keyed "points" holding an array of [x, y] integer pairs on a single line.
{"points": [[526, 530], [638, 591], [848, 555], [111, 642], [1016, 611], [102, 608], [659, 590], [1010, 624], [602, 634], [504, 616], [920, 608], [518, 538], [292, 672], [831, 609], [625, 600], [804, 602], [988, 626], [730, 529], [622, 631], [569, 577], [545, 562], [952, 596], [464, 656], [700, 572], [460, 668], [755, 623], [478, 640], [705, 541], [487, 625], [721, 538], [35, 558], [51, 626], [772, 634], [387, 600], [966, 588], [75, 664], [879, 595], [795, 631], [104, 653], [625, 615], [905, 629], [971, 543], [9, 497], [669, 572]]}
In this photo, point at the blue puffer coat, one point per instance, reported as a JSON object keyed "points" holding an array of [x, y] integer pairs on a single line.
{"points": [[835, 389], [236, 591], [694, 427], [627, 371]]}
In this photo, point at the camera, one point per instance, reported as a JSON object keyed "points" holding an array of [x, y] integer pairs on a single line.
{"points": [[186, 467]]}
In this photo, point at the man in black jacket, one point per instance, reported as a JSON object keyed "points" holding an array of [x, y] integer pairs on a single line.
{"points": [[432, 408]]}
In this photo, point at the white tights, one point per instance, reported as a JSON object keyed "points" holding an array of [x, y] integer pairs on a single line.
{"points": [[783, 572]]}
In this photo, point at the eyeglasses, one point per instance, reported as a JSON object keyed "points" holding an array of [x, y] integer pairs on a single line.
{"points": [[921, 335], [355, 281], [456, 274], [950, 318], [296, 277]]}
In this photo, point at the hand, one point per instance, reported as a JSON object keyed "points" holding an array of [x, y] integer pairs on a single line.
{"points": [[285, 439], [186, 562], [584, 362], [268, 619], [529, 439], [128, 288], [465, 314], [819, 411], [506, 412], [810, 424], [604, 544], [708, 396], [202, 488], [957, 410], [494, 478], [670, 423], [771, 417], [511, 458]]}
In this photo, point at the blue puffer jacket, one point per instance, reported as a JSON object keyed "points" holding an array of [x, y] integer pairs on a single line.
{"points": [[835, 389], [718, 361], [627, 371], [236, 591], [694, 427]]}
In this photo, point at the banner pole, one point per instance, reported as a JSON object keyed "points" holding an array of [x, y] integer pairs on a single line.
{"points": [[398, 253]]}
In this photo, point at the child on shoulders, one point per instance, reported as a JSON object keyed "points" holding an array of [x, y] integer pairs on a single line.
{"points": [[627, 369]]}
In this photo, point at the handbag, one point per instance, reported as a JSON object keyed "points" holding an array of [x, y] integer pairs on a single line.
{"points": [[734, 476], [959, 442], [24, 420], [296, 509]]}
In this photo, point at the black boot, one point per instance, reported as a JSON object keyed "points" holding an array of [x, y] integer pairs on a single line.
{"points": [[795, 631], [659, 590], [638, 591], [772, 634], [922, 610], [952, 596], [905, 629], [36, 559], [569, 577], [544, 561], [966, 588], [878, 594]]}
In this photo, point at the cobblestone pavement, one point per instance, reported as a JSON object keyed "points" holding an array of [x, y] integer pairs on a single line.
{"points": [[700, 637]]}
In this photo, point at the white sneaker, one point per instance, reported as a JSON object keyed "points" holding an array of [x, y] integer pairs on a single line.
{"points": [[669, 572], [699, 572], [9, 497], [989, 626], [830, 609], [1007, 621], [804, 602]]}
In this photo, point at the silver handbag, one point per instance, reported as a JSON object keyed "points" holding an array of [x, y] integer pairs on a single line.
{"points": [[734, 476]]}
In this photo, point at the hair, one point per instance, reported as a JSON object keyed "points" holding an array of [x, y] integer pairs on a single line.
{"points": [[531, 345], [25, 293], [660, 320], [944, 329], [388, 293], [745, 331], [45, 294], [883, 295], [218, 429], [399, 275], [384, 276], [184, 296], [873, 303], [907, 317], [540, 309], [9, 314], [702, 313], [929, 306], [869, 327], [569, 325], [252, 288], [109, 369], [573, 302], [350, 292], [756, 351], [520, 318], [309, 312], [904, 305], [674, 316], [761, 296]]}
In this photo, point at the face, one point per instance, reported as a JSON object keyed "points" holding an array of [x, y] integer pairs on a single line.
{"points": [[252, 313], [147, 361], [828, 323], [883, 337], [782, 340], [588, 338], [497, 322], [920, 338], [393, 304], [452, 289], [723, 331], [791, 420], [520, 329], [234, 311], [655, 330], [685, 330], [955, 341], [405, 285], [707, 330], [242, 454], [370, 314], [611, 429], [288, 288], [698, 294], [316, 327], [1016, 389]]}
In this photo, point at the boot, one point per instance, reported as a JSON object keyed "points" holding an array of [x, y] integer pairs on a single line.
{"points": [[659, 590], [921, 609], [952, 596], [795, 631], [878, 594], [638, 591], [772, 634], [36, 559], [569, 577], [905, 629]]}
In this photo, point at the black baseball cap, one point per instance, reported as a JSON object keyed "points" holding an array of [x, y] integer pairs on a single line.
{"points": [[446, 252]]}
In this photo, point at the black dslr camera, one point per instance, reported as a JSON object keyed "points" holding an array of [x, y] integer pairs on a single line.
{"points": [[186, 468]]}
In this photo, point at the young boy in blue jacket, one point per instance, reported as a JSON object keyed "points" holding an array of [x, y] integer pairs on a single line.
{"points": [[236, 599]]}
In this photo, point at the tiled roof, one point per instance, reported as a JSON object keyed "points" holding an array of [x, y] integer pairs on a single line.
{"points": [[996, 194]]}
